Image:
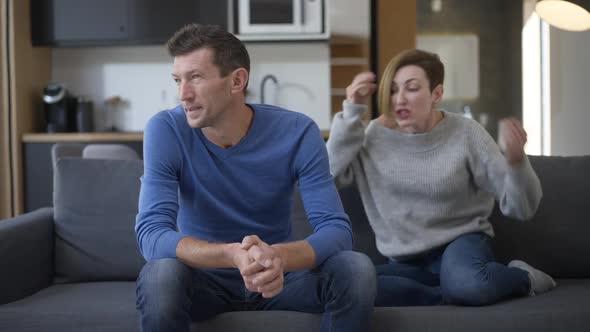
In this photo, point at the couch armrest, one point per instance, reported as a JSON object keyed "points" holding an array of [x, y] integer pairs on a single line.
{"points": [[26, 254]]}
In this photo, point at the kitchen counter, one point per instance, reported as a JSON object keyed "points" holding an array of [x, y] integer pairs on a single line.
{"points": [[83, 137], [94, 137]]}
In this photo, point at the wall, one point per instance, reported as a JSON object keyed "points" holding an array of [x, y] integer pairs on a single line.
{"points": [[497, 24], [28, 71], [141, 76], [303, 74], [396, 27], [570, 108], [5, 185], [350, 17]]}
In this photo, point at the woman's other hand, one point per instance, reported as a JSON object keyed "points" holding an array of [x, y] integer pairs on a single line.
{"points": [[511, 138]]}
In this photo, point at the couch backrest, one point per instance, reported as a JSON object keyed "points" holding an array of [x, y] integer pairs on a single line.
{"points": [[364, 238], [95, 204], [556, 240]]}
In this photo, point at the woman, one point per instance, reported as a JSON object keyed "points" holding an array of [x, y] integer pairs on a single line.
{"points": [[428, 180]]}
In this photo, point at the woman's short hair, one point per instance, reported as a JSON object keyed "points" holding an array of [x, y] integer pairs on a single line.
{"points": [[429, 62]]}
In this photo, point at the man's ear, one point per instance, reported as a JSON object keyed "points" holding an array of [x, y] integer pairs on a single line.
{"points": [[239, 78], [437, 94]]}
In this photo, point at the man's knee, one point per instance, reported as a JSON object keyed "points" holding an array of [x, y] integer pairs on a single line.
{"points": [[167, 281], [354, 271]]}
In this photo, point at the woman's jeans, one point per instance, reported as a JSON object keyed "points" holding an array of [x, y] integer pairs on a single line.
{"points": [[464, 272], [170, 295]]}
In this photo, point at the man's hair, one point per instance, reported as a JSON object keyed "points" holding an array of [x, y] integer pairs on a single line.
{"points": [[429, 62], [229, 52]]}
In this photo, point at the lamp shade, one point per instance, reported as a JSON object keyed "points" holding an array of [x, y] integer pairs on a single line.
{"points": [[570, 15]]}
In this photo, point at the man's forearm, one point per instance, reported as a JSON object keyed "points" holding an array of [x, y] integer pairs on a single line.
{"points": [[298, 255], [202, 254]]}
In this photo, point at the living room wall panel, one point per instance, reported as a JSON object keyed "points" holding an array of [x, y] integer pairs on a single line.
{"points": [[5, 191], [30, 70]]}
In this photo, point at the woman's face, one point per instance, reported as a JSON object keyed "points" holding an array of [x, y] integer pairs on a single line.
{"points": [[412, 103]]}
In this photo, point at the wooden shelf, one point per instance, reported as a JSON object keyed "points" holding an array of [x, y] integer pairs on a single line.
{"points": [[349, 55]]}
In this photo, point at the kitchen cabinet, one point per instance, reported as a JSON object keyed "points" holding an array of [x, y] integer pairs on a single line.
{"points": [[70, 21], [154, 21], [38, 168], [118, 22]]}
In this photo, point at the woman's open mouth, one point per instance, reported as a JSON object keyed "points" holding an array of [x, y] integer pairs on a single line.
{"points": [[402, 114]]}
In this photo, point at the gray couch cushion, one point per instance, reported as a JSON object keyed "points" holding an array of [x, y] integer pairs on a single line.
{"points": [[95, 205], [556, 239], [110, 306], [245, 321], [26, 254], [94, 306], [551, 241], [565, 308], [364, 238]]}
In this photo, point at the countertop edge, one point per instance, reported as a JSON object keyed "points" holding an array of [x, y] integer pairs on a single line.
{"points": [[94, 137], [82, 137]]}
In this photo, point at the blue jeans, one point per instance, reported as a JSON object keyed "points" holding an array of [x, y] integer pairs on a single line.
{"points": [[170, 294], [464, 272]]}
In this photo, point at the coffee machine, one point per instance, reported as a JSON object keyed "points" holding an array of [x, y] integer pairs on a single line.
{"points": [[59, 109]]}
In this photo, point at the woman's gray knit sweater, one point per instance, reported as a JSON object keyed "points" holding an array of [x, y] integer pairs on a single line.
{"points": [[421, 191]]}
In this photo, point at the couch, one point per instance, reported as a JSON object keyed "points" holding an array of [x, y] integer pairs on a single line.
{"points": [[73, 267]]}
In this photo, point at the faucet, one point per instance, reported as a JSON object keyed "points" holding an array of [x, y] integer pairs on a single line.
{"points": [[467, 112], [263, 83]]}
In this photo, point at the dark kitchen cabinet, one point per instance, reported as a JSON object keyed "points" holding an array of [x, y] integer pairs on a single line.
{"points": [[76, 20], [118, 22], [154, 21]]}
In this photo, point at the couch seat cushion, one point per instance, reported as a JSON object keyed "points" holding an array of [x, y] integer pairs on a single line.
{"points": [[110, 306], [565, 308], [96, 306]]}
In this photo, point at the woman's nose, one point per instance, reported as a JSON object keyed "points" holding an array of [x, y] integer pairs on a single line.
{"points": [[399, 98]]}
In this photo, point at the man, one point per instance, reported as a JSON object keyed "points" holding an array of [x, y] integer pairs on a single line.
{"points": [[215, 200]]}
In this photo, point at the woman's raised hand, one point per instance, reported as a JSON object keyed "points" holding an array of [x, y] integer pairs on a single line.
{"points": [[511, 138], [362, 88]]}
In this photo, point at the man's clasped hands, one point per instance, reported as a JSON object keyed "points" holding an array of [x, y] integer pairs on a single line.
{"points": [[260, 265]]}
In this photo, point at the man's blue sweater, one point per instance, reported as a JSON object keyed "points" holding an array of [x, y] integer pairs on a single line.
{"points": [[192, 187]]}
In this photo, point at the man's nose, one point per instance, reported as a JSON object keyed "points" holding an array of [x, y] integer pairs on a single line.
{"points": [[185, 92]]}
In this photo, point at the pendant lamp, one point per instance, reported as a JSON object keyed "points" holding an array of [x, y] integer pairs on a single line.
{"points": [[570, 15]]}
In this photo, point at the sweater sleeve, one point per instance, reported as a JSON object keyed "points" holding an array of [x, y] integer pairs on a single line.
{"points": [[345, 141], [155, 226], [516, 188], [331, 227]]}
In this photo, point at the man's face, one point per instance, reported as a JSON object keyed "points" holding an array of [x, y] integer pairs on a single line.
{"points": [[204, 93]]}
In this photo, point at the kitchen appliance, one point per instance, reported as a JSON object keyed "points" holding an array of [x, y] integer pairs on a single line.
{"points": [[84, 115], [271, 17], [59, 109]]}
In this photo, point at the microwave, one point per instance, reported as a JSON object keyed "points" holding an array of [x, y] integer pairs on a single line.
{"points": [[270, 17]]}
